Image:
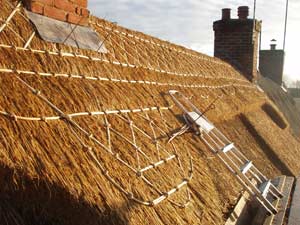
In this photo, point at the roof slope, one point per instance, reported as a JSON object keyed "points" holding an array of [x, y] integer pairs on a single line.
{"points": [[48, 174], [284, 102]]}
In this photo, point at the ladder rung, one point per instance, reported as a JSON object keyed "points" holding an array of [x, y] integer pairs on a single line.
{"points": [[246, 167], [264, 188], [227, 148]]}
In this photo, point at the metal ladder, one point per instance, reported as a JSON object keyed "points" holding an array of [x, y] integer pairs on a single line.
{"points": [[243, 169]]}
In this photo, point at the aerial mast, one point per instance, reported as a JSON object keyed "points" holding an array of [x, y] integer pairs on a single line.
{"points": [[285, 25]]}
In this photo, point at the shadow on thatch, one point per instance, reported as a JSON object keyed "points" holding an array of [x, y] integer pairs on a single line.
{"points": [[38, 203], [283, 101], [274, 115], [270, 153]]}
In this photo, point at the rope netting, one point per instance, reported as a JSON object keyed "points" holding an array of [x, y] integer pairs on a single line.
{"points": [[131, 51], [144, 160], [164, 46], [142, 52]]}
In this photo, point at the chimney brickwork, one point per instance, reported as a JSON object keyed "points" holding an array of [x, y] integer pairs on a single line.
{"points": [[71, 11], [236, 41], [271, 63]]}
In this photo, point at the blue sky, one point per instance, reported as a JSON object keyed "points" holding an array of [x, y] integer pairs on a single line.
{"points": [[189, 22]]}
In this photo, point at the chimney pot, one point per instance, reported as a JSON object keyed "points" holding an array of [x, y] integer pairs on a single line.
{"points": [[243, 12], [273, 44], [226, 14]]}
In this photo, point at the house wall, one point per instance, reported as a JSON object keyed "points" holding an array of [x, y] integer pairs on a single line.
{"points": [[236, 42], [71, 11]]}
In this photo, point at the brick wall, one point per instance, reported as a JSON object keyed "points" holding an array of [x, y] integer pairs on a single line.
{"points": [[236, 41], [72, 11], [271, 64]]}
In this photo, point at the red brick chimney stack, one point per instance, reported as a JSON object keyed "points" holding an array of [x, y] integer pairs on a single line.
{"points": [[71, 11], [236, 41]]}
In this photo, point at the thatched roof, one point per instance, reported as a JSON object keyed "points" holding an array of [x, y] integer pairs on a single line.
{"points": [[284, 102], [52, 172]]}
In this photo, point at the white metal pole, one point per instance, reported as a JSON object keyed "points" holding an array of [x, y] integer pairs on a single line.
{"points": [[285, 25]]}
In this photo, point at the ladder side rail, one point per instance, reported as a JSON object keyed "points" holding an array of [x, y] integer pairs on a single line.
{"points": [[226, 140], [220, 136], [209, 145], [254, 175], [258, 179], [192, 105], [242, 182], [243, 156], [235, 155], [240, 174], [257, 175], [217, 145], [274, 194], [235, 158], [232, 152], [179, 104], [194, 108], [221, 140], [243, 159], [267, 205], [233, 164], [257, 171], [274, 190]]}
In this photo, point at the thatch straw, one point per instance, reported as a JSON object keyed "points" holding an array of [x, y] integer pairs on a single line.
{"points": [[46, 170]]}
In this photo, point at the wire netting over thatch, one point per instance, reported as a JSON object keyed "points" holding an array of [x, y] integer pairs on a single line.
{"points": [[84, 135]]}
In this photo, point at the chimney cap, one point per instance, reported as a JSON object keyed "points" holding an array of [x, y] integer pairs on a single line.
{"points": [[243, 12], [226, 14], [273, 44]]}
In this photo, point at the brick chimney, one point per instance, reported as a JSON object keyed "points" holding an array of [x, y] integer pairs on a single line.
{"points": [[71, 11], [271, 63], [236, 41]]}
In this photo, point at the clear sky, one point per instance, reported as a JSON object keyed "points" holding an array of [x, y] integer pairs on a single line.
{"points": [[189, 22]]}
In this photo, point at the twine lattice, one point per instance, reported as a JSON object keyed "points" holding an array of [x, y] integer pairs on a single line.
{"points": [[146, 57], [136, 170]]}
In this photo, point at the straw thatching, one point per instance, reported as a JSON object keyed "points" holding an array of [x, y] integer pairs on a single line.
{"points": [[52, 172], [284, 101]]}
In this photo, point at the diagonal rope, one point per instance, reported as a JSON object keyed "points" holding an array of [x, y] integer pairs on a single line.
{"points": [[9, 18], [73, 54], [91, 153]]}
